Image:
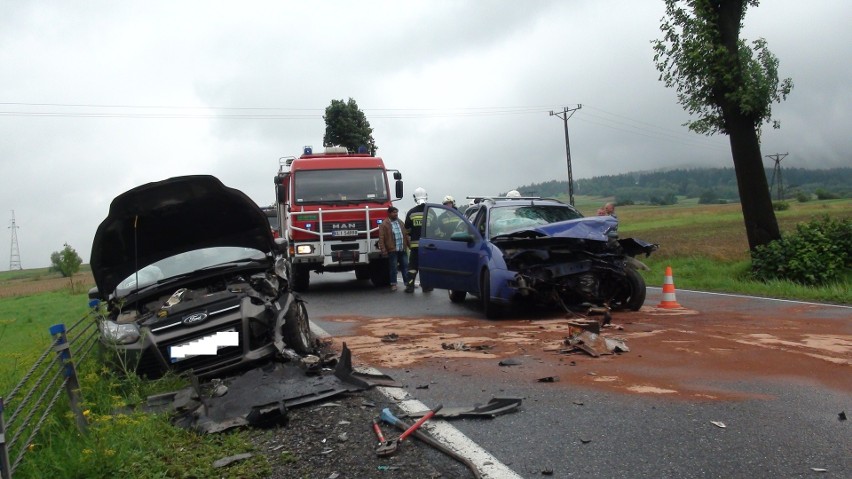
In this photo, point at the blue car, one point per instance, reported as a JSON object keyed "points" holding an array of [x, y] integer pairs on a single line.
{"points": [[542, 251]]}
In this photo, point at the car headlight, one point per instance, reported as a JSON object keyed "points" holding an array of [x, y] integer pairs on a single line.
{"points": [[304, 249], [119, 333]]}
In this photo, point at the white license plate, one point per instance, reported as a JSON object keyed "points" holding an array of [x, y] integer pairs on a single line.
{"points": [[344, 233], [204, 346]]}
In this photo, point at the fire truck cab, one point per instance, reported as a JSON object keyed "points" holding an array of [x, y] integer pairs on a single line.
{"points": [[330, 206]]}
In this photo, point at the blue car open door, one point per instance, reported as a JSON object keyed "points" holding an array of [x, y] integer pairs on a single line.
{"points": [[450, 250]]}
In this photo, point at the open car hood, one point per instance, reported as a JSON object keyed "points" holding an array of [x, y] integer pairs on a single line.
{"points": [[161, 219], [592, 228]]}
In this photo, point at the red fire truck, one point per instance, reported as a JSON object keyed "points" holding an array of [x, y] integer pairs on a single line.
{"points": [[330, 206]]}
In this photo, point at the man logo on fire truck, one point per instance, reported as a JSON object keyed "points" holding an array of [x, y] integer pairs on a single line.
{"points": [[330, 206]]}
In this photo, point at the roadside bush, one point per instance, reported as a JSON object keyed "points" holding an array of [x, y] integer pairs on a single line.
{"points": [[624, 201], [780, 205], [826, 195], [803, 197], [819, 252]]}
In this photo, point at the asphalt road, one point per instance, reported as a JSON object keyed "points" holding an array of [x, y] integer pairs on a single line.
{"points": [[776, 374]]}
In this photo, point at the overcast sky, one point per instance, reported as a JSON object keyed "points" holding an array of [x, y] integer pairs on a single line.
{"points": [[97, 97]]}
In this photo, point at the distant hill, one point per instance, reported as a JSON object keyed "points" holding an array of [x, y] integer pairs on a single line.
{"points": [[710, 185]]}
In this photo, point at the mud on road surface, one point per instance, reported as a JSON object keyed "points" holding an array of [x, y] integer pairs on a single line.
{"points": [[679, 353]]}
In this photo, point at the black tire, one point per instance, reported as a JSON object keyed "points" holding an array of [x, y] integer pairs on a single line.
{"points": [[488, 306], [296, 330], [301, 278], [362, 272], [457, 296], [379, 274], [632, 296]]}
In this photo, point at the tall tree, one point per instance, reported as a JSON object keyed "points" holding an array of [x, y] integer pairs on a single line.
{"points": [[730, 86], [346, 125]]}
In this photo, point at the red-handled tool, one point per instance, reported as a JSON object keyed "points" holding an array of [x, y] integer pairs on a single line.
{"points": [[378, 431], [419, 422]]}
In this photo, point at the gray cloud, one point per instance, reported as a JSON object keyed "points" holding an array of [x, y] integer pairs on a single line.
{"points": [[457, 92]]}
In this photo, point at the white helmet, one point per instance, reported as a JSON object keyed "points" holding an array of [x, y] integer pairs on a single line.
{"points": [[513, 194], [449, 199], [420, 196]]}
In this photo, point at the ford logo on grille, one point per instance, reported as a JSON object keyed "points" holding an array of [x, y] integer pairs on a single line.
{"points": [[194, 318]]}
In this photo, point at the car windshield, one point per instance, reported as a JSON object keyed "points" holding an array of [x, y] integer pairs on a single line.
{"points": [[183, 263], [344, 186], [506, 219]]}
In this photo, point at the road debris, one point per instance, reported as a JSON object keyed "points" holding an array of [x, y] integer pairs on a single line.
{"points": [[260, 397], [493, 408], [594, 344], [718, 424], [390, 338], [841, 416], [819, 469], [548, 379], [547, 471], [510, 362], [227, 461]]}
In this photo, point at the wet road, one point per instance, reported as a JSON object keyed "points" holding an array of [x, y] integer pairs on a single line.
{"points": [[775, 374]]}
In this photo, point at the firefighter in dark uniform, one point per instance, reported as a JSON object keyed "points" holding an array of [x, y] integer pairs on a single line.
{"points": [[413, 222], [448, 223]]}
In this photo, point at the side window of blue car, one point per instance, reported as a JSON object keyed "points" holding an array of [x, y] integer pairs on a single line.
{"points": [[441, 223]]}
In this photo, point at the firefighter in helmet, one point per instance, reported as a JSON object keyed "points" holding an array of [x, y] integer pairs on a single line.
{"points": [[413, 223]]}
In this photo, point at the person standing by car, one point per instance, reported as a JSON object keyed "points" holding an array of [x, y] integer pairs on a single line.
{"points": [[448, 223], [393, 243], [413, 223]]}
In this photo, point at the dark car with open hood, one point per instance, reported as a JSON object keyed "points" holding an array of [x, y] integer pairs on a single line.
{"points": [[189, 277]]}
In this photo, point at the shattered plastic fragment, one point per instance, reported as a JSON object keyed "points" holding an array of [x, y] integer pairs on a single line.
{"points": [[548, 379], [390, 338], [510, 362], [547, 471], [819, 469], [226, 461], [585, 441], [841, 416], [718, 424]]}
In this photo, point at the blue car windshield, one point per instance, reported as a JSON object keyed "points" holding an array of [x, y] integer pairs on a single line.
{"points": [[506, 219]]}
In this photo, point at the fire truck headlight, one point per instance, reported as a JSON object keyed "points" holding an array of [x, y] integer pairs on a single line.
{"points": [[304, 249]]}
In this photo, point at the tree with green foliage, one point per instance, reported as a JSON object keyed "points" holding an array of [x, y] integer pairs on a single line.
{"points": [[730, 86], [67, 262], [346, 125]]}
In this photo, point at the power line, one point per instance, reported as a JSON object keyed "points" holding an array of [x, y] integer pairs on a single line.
{"points": [[776, 174]]}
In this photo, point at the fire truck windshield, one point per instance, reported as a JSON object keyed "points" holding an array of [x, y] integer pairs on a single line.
{"points": [[340, 186]]}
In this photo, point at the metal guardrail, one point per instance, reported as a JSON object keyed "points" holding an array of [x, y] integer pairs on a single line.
{"points": [[41, 387]]}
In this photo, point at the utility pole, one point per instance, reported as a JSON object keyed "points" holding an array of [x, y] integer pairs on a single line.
{"points": [[776, 175], [14, 255], [565, 114]]}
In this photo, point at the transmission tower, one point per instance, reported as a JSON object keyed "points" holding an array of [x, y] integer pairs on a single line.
{"points": [[15, 254], [776, 175], [564, 115]]}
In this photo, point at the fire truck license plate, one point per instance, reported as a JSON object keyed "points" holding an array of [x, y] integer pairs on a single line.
{"points": [[344, 233]]}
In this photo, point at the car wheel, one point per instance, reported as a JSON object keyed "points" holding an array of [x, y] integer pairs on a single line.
{"points": [[632, 296], [301, 278], [488, 306], [379, 274], [296, 330], [362, 272], [457, 296]]}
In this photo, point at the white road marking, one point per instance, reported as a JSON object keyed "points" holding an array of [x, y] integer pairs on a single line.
{"points": [[489, 466], [828, 305]]}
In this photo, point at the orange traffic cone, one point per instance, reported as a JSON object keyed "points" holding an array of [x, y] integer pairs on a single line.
{"points": [[669, 301]]}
